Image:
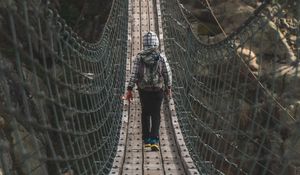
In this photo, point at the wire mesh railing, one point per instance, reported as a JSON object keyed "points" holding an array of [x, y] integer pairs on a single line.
{"points": [[60, 111], [235, 99], [60, 105]]}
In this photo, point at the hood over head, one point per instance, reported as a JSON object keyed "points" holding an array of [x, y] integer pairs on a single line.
{"points": [[150, 41]]}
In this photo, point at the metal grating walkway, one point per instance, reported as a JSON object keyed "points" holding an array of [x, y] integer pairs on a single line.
{"points": [[132, 158]]}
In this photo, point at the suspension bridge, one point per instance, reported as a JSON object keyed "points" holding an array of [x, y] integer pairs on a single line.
{"points": [[61, 109]]}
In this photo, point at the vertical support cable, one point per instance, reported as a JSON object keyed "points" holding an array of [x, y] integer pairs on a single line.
{"points": [[298, 31]]}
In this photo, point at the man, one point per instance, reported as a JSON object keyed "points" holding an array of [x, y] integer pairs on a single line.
{"points": [[152, 74]]}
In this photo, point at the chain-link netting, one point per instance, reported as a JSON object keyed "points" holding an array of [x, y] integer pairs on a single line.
{"points": [[237, 100], [60, 105]]}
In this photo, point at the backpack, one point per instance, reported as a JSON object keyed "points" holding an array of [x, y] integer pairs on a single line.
{"points": [[150, 72]]}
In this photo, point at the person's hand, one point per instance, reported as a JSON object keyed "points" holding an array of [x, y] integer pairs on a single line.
{"points": [[168, 92], [128, 96]]}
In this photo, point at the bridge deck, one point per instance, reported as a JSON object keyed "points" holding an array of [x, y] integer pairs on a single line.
{"points": [[132, 157]]}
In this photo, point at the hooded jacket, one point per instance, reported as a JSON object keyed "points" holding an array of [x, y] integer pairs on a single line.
{"points": [[150, 46]]}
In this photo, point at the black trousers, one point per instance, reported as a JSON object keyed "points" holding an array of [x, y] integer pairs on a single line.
{"points": [[151, 104]]}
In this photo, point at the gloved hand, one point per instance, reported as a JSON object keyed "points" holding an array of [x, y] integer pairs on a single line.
{"points": [[129, 96]]}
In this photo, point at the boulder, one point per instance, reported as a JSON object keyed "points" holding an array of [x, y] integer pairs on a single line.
{"points": [[28, 151], [231, 19], [267, 40], [249, 57], [6, 163]]}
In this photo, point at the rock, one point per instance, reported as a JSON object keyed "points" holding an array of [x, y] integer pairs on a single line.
{"points": [[253, 3], [244, 115], [293, 39], [270, 37], [292, 145], [287, 80], [2, 122], [7, 3], [200, 18], [230, 19], [80, 15], [294, 108], [249, 58], [270, 41], [6, 162], [209, 29], [31, 146]]}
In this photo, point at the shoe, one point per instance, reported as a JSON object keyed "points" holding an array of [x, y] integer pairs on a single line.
{"points": [[155, 147], [155, 144], [147, 142]]}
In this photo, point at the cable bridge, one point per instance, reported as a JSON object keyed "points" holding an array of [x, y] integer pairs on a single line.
{"points": [[61, 110]]}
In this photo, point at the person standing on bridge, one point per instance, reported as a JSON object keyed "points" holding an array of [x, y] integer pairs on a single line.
{"points": [[152, 74]]}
